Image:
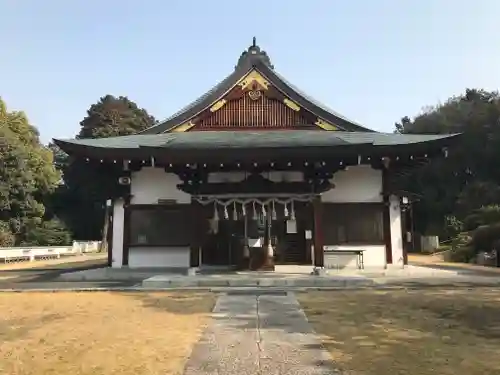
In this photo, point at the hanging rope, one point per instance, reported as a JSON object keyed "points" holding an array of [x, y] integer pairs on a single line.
{"points": [[261, 202]]}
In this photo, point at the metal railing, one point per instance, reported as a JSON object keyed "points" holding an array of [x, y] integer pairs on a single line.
{"points": [[32, 253]]}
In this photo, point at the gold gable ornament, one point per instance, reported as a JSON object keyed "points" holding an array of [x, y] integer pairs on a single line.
{"points": [[292, 105], [325, 125], [253, 76], [255, 94], [218, 105], [184, 127]]}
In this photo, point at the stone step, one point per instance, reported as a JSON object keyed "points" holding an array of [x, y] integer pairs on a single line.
{"points": [[167, 281]]}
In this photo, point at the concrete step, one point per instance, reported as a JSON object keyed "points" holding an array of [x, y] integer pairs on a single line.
{"points": [[167, 281]]}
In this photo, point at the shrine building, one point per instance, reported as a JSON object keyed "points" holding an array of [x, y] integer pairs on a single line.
{"points": [[255, 173]]}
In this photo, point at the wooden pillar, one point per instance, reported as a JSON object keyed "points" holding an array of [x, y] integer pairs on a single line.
{"points": [[318, 233], [126, 229], [386, 218], [406, 228], [306, 230], [197, 218]]}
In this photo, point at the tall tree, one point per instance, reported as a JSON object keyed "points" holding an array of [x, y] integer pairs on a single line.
{"points": [[81, 200], [113, 116], [27, 176], [458, 184]]}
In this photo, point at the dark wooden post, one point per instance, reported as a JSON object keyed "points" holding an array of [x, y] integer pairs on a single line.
{"points": [[126, 229], [318, 233], [406, 228], [306, 225], [197, 217]]}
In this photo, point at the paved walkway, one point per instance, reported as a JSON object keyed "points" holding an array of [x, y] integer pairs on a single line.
{"points": [[259, 334]]}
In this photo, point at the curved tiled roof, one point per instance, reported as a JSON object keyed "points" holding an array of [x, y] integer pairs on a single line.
{"points": [[252, 139], [254, 58]]}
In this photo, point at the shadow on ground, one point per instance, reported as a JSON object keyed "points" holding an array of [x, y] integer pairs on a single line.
{"points": [[177, 302], [47, 277]]}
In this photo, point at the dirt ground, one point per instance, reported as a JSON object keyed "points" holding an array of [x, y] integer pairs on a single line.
{"points": [[429, 260], [400, 332], [100, 333]]}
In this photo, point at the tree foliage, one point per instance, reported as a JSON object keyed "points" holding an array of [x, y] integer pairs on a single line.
{"points": [[113, 116], [27, 177], [469, 178], [80, 201]]}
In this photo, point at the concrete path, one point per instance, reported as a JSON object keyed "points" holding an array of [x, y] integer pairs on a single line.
{"points": [[259, 334]]}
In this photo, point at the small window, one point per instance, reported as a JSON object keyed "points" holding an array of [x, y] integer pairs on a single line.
{"points": [[353, 223], [160, 226]]}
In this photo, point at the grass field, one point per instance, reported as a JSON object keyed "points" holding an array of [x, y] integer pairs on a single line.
{"points": [[409, 332], [99, 333]]}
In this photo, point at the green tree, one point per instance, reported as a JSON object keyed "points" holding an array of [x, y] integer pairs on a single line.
{"points": [[81, 200], [466, 180], [27, 176], [113, 116], [50, 233]]}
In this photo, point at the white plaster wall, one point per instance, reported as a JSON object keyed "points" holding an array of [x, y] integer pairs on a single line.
{"points": [[156, 257], [360, 183], [396, 232], [150, 184], [374, 256], [117, 250]]}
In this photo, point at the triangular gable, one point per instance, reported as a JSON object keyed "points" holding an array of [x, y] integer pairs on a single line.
{"points": [[254, 75], [254, 102]]}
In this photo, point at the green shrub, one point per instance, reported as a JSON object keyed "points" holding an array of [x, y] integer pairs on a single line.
{"points": [[443, 248], [483, 216], [452, 226], [48, 233], [472, 221], [462, 254], [485, 236], [460, 249], [7, 239], [461, 240]]}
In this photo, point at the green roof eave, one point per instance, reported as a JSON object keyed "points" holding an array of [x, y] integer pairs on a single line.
{"points": [[208, 143]]}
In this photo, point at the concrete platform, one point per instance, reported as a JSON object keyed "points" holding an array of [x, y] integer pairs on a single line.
{"points": [[221, 281], [119, 274], [140, 274]]}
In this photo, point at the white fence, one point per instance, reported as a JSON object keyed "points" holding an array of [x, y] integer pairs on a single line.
{"points": [[13, 254]]}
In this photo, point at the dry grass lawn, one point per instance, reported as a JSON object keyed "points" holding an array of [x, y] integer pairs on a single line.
{"points": [[99, 333], [400, 332]]}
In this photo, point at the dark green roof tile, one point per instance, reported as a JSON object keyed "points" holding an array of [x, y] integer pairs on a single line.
{"points": [[253, 139]]}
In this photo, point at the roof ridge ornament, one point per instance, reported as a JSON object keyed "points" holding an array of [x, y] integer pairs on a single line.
{"points": [[252, 55]]}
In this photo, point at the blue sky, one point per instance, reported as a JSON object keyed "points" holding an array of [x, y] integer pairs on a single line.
{"points": [[374, 61]]}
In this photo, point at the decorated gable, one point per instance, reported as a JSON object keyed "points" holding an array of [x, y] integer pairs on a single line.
{"points": [[254, 103]]}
